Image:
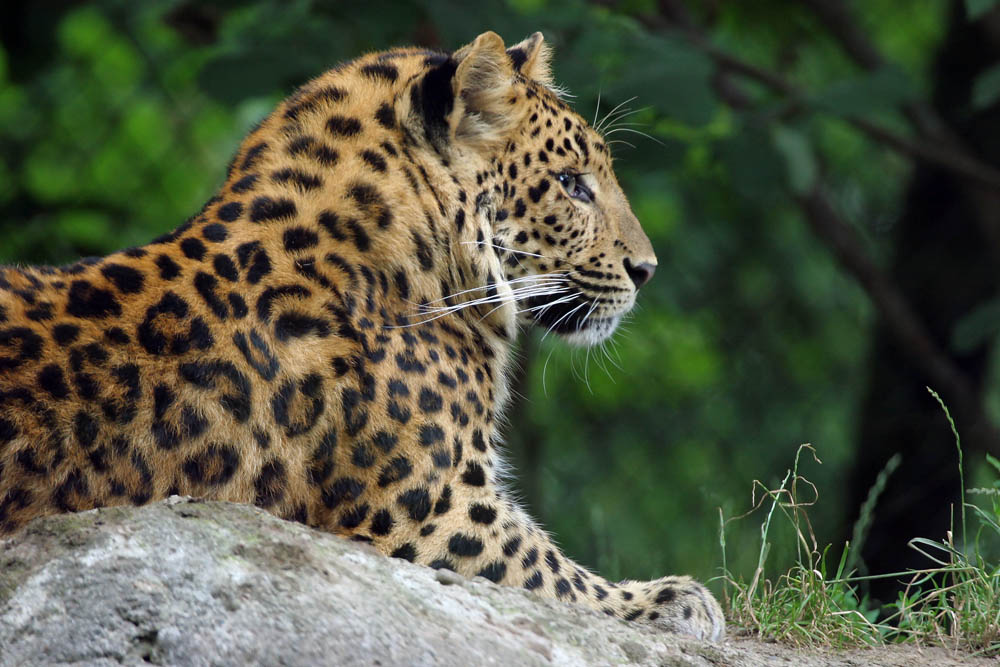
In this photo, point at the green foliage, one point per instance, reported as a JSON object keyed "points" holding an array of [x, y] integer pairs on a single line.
{"points": [[975, 9], [987, 88], [978, 326], [800, 162], [884, 89]]}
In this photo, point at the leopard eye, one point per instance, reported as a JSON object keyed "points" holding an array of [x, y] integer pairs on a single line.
{"points": [[574, 187]]}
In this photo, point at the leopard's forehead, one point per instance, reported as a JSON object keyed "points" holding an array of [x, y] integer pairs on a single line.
{"points": [[563, 136]]}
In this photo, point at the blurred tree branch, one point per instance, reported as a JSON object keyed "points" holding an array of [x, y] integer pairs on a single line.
{"points": [[674, 16], [837, 19]]}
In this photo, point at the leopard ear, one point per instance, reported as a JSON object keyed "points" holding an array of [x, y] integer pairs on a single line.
{"points": [[532, 59], [482, 84]]}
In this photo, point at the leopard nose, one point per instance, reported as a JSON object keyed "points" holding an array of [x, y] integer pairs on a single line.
{"points": [[639, 273]]}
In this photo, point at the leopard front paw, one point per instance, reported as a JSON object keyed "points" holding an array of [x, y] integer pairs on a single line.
{"points": [[676, 604]]}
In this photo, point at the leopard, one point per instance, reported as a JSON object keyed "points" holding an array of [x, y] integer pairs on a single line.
{"points": [[331, 338]]}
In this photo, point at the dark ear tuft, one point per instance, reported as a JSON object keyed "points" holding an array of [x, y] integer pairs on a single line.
{"points": [[531, 58], [517, 57]]}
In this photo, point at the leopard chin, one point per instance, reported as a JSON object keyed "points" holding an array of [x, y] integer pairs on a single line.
{"points": [[594, 331]]}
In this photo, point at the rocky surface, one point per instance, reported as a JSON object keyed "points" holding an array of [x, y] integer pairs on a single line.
{"points": [[186, 582]]}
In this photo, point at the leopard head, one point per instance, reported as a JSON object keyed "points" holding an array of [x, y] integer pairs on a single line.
{"points": [[570, 247]]}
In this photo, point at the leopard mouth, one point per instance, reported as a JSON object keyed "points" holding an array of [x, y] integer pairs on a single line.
{"points": [[575, 320]]}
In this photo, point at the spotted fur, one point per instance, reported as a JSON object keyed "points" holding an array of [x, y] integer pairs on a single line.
{"points": [[328, 338]]}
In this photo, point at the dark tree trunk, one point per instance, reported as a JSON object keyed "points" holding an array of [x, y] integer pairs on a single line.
{"points": [[945, 262]]}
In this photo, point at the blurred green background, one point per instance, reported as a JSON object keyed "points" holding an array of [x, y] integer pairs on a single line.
{"points": [[781, 128]]}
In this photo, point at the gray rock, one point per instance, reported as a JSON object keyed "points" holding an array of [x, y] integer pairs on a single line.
{"points": [[186, 582]]}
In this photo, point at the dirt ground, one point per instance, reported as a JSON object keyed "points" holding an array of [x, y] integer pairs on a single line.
{"points": [[768, 653]]}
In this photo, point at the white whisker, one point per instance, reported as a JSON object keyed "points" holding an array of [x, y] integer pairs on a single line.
{"points": [[608, 115], [619, 141], [515, 294], [572, 365], [500, 247], [611, 358], [525, 287], [600, 361], [502, 299], [589, 313], [543, 276], [545, 367], [567, 314], [622, 115], [607, 120], [641, 134], [611, 113], [545, 306]]}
